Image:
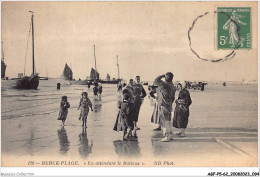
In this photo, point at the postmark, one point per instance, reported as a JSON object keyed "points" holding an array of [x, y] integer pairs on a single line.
{"points": [[214, 59], [234, 28]]}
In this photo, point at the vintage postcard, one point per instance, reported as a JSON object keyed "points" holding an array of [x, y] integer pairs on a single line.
{"points": [[129, 84]]}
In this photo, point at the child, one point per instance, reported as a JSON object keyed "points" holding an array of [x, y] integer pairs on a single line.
{"points": [[100, 91], [126, 109], [95, 90], [64, 105], [84, 105]]}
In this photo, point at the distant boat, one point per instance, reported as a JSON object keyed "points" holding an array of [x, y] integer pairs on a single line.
{"points": [[108, 82], [94, 76], [29, 82], [67, 73], [3, 65]]}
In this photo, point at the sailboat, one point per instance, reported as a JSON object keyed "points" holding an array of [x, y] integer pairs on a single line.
{"points": [[94, 76], [67, 73], [114, 81], [3, 65], [29, 82]]}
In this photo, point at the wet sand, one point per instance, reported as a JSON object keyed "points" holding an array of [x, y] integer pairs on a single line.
{"points": [[222, 131]]}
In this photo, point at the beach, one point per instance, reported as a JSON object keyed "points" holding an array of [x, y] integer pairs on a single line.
{"points": [[222, 129]]}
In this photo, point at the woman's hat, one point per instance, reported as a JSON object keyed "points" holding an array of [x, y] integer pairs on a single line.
{"points": [[182, 83], [84, 93], [125, 96], [64, 98]]}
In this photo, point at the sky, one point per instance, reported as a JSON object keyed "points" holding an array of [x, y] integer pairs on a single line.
{"points": [[150, 38]]}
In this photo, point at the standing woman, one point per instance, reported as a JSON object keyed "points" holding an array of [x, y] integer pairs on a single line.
{"points": [[156, 115], [138, 93], [181, 112]]}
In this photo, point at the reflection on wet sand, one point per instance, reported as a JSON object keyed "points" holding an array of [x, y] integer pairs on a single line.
{"points": [[97, 107], [129, 148], [30, 142], [85, 148], [64, 141], [156, 143]]}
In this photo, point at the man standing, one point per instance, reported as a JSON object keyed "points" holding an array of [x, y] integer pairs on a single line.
{"points": [[166, 97], [138, 93]]}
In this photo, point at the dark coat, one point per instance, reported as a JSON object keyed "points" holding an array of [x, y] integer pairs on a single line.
{"points": [[181, 112]]}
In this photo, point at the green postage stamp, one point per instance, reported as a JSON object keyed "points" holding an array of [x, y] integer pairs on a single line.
{"points": [[234, 28]]}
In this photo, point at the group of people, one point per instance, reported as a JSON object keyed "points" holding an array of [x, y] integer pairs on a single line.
{"points": [[164, 94], [84, 106], [129, 108], [194, 85], [97, 90], [162, 91]]}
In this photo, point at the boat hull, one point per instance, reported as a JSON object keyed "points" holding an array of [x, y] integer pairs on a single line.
{"points": [[108, 82], [84, 82], [27, 83]]}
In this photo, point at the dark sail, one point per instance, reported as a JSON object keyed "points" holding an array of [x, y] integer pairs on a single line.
{"points": [[67, 73], [3, 65], [108, 77], [3, 68], [94, 75]]}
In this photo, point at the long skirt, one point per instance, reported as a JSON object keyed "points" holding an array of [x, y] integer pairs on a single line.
{"points": [[136, 110], [156, 114], [180, 118], [165, 118], [63, 114], [122, 124], [84, 113]]}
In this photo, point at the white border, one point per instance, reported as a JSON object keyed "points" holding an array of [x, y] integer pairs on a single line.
{"points": [[129, 171]]}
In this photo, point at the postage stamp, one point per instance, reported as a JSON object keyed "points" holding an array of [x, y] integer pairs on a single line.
{"points": [[234, 28]]}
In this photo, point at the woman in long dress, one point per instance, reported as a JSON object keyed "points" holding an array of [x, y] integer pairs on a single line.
{"points": [[156, 115], [181, 112]]}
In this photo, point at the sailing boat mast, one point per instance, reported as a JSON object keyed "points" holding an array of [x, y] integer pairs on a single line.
{"points": [[32, 45], [95, 63], [2, 52], [31, 82], [118, 68]]}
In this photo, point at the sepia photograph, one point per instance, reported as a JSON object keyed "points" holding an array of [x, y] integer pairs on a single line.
{"points": [[129, 84]]}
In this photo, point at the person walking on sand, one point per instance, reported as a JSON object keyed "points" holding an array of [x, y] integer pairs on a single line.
{"points": [[155, 116], [95, 91], [125, 118], [64, 105], [181, 112], [139, 93], [129, 89], [99, 91], [58, 86], [166, 97], [84, 106], [119, 87]]}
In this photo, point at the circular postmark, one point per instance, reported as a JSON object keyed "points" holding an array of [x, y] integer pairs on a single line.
{"points": [[197, 45]]}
